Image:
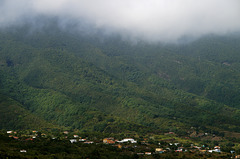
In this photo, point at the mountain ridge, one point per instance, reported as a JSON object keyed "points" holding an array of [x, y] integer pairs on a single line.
{"points": [[92, 85]]}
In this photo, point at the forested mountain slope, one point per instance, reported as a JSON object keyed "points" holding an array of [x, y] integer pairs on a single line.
{"points": [[107, 84], [14, 116]]}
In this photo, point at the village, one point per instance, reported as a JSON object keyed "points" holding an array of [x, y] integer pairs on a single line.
{"points": [[140, 146]]}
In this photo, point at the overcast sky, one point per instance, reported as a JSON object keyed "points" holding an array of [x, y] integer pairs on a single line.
{"points": [[154, 20]]}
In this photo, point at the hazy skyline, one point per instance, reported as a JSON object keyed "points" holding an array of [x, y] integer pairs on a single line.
{"points": [[151, 20]]}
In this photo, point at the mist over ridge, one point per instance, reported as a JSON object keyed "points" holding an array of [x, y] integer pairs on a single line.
{"points": [[152, 20], [141, 67]]}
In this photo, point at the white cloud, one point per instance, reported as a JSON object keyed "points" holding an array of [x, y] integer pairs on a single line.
{"points": [[155, 20]]}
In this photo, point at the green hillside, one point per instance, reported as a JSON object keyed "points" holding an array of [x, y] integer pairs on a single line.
{"points": [[14, 116], [109, 85]]}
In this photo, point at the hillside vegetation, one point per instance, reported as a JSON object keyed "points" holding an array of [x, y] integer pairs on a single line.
{"points": [[110, 85]]}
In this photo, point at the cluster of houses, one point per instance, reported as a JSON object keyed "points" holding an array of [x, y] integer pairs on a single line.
{"points": [[124, 142], [105, 141], [13, 134], [112, 141], [76, 138], [161, 150], [85, 141]]}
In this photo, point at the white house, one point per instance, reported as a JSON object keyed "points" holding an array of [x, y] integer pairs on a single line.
{"points": [[148, 153], [75, 136], [128, 140], [216, 149], [73, 140], [82, 140], [23, 150]]}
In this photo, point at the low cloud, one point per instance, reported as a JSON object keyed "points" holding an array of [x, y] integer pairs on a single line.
{"points": [[151, 20]]}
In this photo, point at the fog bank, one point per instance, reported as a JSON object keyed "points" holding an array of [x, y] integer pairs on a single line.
{"points": [[150, 20]]}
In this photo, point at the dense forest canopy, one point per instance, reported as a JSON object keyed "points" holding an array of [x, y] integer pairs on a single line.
{"points": [[108, 84]]}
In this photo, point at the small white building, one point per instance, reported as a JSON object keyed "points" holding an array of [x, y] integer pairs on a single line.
{"points": [[73, 140], [148, 153], [23, 151], [215, 150], [82, 140], [75, 136], [128, 140], [9, 132]]}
